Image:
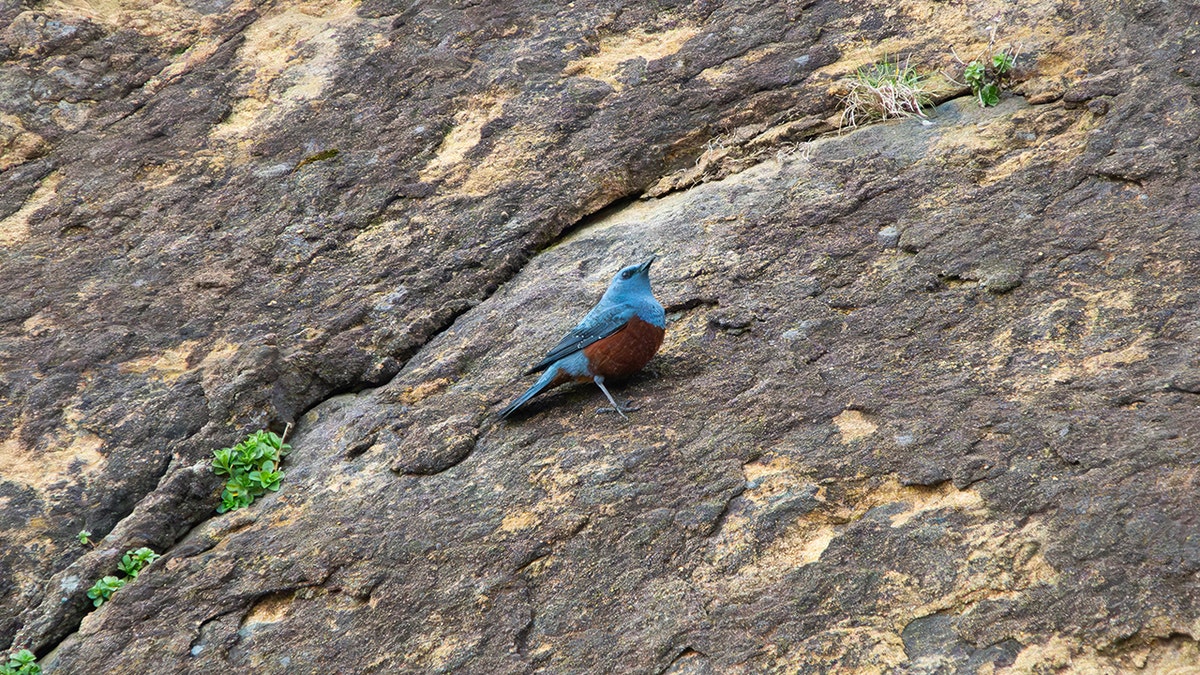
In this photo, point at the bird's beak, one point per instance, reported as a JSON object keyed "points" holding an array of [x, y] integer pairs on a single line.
{"points": [[644, 267]]}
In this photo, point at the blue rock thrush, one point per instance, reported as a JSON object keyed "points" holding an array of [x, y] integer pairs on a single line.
{"points": [[615, 339]]}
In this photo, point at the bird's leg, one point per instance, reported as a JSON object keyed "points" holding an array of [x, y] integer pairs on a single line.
{"points": [[600, 383]]}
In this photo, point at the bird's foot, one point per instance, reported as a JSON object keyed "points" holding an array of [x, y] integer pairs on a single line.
{"points": [[620, 409]]}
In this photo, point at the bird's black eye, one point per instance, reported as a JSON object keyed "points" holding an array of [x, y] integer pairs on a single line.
{"points": [[626, 274]]}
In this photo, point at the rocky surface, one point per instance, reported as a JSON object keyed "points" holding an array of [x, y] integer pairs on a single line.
{"points": [[927, 402]]}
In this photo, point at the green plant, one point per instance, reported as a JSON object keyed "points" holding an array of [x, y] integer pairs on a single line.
{"points": [[102, 591], [22, 662], [883, 91], [987, 78], [133, 561], [85, 538], [131, 564], [252, 467]]}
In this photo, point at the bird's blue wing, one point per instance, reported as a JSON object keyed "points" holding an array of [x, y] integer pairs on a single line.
{"points": [[597, 325]]}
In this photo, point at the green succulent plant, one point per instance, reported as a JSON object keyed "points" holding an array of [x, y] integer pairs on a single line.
{"points": [[252, 467], [132, 563], [102, 591], [21, 662]]}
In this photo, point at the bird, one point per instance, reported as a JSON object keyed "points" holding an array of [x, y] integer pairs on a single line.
{"points": [[614, 340]]}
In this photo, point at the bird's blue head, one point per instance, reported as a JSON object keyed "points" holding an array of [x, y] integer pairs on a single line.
{"points": [[631, 282]]}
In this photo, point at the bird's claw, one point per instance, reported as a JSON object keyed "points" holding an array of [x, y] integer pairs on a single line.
{"points": [[628, 406]]}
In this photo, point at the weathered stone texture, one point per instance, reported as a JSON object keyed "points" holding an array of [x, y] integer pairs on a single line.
{"points": [[927, 401]]}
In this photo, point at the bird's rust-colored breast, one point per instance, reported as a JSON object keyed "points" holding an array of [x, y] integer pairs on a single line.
{"points": [[625, 352]]}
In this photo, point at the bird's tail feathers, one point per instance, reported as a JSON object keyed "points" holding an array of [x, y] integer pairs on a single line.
{"points": [[544, 382]]}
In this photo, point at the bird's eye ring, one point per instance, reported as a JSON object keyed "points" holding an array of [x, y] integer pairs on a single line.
{"points": [[626, 274]]}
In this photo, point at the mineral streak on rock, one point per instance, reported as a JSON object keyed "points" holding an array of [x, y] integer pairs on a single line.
{"points": [[926, 402]]}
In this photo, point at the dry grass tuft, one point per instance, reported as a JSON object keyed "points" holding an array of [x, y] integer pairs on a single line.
{"points": [[883, 91]]}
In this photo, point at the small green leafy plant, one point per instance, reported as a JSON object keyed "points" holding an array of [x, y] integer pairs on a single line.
{"points": [[133, 561], [102, 591], [85, 538], [987, 78], [131, 564], [884, 91], [252, 467], [22, 662]]}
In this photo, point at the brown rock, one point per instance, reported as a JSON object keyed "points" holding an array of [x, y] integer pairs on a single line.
{"points": [[370, 218]]}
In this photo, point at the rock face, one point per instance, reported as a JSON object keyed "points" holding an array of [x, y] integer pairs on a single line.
{"points": [[927, 401]]}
